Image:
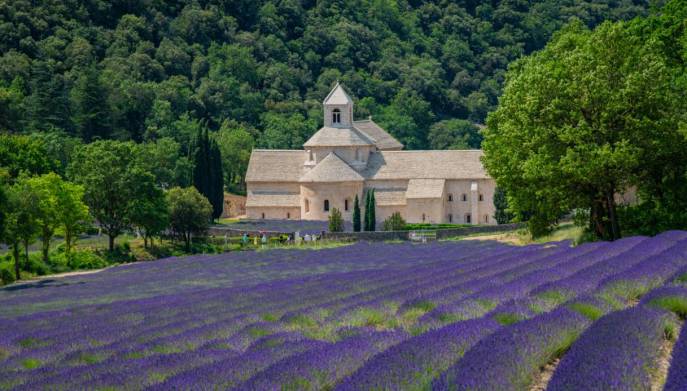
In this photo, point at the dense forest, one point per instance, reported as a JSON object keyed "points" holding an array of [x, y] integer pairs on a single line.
{"points": [[255, 71]]}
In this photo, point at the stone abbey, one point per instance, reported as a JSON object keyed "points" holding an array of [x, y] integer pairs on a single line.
{"points": [[346, 158]]}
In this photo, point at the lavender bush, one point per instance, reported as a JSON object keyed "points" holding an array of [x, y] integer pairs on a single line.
{"points": [[467, 314]]}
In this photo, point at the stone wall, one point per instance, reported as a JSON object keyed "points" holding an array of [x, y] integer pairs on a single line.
{"points": [[404, 235]]}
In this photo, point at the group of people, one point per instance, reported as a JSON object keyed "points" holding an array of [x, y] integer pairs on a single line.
{"points": [[261, 238]]}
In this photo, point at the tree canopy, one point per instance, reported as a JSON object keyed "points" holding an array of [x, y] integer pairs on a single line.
{"points": [[594, 115]]}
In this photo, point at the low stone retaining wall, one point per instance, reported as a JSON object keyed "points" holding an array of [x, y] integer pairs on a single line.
{"points": [[405, 235], [376, 236]]}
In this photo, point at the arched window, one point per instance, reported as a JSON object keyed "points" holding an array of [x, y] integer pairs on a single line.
{"points": [[464, 197], [481, 197], [468, 218], [450, 198], [307, 205], [326, 205], [336, 116], [346, 204]]}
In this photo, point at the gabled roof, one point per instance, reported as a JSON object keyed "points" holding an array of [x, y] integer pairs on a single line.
{"points": [[425, 188], [272, 165], [452, 164], [338, 137], [383, 140], [337, 96], [331, 169]]}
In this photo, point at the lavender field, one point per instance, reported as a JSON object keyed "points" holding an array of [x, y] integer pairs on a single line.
{"points": [[465, 315]]}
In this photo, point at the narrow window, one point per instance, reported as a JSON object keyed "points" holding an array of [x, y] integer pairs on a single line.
{"points": [[450, 218], [310, 154], [450, 198], [307, 206], [481, 197], [357, 154], [336, 116], [486, 218], [346, 204], [326, 205], [263, 216], [468, 218], [423, 217], [464, 197], [288, 215]]}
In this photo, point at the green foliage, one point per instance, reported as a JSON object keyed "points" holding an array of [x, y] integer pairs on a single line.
{"points": [[559, 141], [370, 218], [590, 311], [115, 182], [236, 143], [501, 214], [24, 154], [207, 171], [356, 214], [336, 223], [189, 213], [132, 70], [454, 134], [394, 222]]}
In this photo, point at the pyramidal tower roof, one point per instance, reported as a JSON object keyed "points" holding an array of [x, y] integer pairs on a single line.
{"points": [[337, 96], [332, 169]]}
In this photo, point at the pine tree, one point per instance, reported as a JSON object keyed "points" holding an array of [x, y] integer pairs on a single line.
{"points": [[373, 216], [356, 214], [89, 105]]}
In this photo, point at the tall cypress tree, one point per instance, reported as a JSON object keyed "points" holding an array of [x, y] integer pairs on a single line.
{"points": [[373, 216], [356, 214], [366, 224], [216, 180]]}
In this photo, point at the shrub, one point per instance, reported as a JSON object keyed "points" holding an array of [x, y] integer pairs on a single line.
{"points": [[336, 221], [394, 222], [6, 273], [86, 260]]}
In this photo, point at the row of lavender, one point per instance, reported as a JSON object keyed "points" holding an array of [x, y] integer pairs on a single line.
{"points": [[403, 325]]}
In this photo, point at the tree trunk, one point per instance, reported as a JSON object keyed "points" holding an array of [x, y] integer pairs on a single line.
{"points": [[596, 217], [46, 247], [67, 242], [111, 242], [26, 252], [15, 253]]}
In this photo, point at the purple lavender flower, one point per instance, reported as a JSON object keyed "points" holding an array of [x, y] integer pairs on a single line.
{"points": [[618, 352]]}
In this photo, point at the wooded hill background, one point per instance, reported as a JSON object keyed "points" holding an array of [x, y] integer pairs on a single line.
{"points": [[254, 72]]}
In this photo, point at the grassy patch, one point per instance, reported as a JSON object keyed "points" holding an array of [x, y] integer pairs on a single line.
{"points": [[675, 304], [590, 311], [258, 332], [28, 343], [90, 358], [507, 318], [270, 318], [302, 321], [134, 355], [552, 298], [424, 305], [31, 363]]}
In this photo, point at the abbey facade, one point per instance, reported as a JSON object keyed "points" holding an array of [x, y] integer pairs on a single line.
{"points": [[346, 158]]}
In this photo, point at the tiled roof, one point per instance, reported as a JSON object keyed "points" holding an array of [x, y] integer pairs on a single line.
{"points": [[425, 188], [382, 139], [273, 200], [337, 96], [331, 169], [338, 137], [270, 165], [455, 164]]}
